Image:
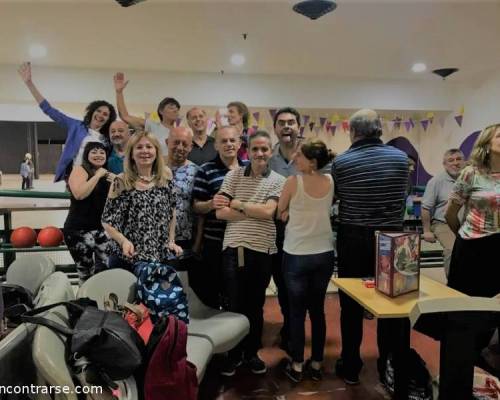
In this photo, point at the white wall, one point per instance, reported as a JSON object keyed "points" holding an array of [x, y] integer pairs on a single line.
{"points": [[72, 89]]}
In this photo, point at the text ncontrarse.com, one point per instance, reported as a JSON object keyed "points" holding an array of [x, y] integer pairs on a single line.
{"points": [[36, 389]]}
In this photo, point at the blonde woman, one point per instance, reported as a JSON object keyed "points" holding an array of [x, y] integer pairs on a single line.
{"points": [[472, 269], [139, 215]]}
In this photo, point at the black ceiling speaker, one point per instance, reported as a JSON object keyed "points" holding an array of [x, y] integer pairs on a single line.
{"points": [[128, 3], [314, 8], [445, 72]]}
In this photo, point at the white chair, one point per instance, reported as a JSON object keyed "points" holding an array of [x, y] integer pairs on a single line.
{"points": [[122, 283], [30, 271], [224, 329]]}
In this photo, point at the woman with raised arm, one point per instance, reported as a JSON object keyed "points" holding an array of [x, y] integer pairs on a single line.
{"points": [[308, 255], [83, 232], [139, 215], [94, 128]]}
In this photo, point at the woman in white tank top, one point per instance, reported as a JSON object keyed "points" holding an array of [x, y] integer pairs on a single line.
{"points": [[308, 258]]}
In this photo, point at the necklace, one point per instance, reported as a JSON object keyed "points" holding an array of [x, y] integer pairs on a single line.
{"points": [[147, 179]]}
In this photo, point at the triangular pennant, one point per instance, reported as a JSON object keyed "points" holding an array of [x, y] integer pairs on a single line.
{"points": [[412, 123], [459, 119], [390, 126], [255, 127], [256, 115], [317, 129], [272, 111], [306, 119], [345, 125], [262, 123], [311, 125], [397, 124], [322, 121], [153, 116], [301, 132], [333, 128], [407, 125], [327, 125], [335, 118], [178, 121], [461, 111], [425, 124]]}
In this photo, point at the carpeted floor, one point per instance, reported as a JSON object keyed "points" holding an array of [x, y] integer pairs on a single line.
{"points": [[274, 385]]}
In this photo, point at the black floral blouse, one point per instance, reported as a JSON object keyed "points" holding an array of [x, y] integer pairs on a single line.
{"points": [[143, 216]]}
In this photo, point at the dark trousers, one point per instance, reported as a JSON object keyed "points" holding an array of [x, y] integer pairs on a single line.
{"points": [[306, 279], [244, 290], [205, 276], [356, 259], [474, 271], [279, 281], [25, 183]]}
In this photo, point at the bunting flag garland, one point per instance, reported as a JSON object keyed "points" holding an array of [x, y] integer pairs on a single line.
{"points": [[311, 125], [306, 119], [425, 124], [272, 111], [256, 116], [327, 125], [301, 132], [459, 119], [322, 121]]}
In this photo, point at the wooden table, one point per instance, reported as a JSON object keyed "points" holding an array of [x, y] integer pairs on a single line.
{"points": [[398, 309]]}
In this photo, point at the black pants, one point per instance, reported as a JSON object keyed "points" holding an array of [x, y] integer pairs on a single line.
{"points": [[356, 259], [279, 281], [307, 278], [244, 290], [474, 271], [205, 276], [25, 183]]}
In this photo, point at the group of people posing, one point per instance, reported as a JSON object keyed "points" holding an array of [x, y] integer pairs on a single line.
{"points": [[250, 210]]}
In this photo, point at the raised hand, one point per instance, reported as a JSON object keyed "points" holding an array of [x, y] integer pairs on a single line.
{"points": [[24, 71], [119, 81]]}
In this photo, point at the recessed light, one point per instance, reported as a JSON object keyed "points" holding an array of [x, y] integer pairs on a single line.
{"points": [[238, 59], [419, 67], [37, 51]]}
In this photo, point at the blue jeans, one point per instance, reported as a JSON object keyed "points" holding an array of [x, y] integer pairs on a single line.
{"points": [[306, 280]]}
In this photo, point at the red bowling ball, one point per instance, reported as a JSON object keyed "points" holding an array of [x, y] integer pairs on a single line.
{"points": [[50, 236], [23, 237]]}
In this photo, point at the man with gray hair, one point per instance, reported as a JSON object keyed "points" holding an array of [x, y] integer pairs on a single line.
{"points": [[435, 201], [370, 182]]}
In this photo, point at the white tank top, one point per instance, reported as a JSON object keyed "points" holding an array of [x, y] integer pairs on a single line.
{"points": [[309, 230]]}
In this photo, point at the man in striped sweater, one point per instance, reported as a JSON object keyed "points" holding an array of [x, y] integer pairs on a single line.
{"points": [[249, 196], [370, 182]]}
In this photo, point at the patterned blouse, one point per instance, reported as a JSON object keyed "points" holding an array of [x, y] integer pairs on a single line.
{"points": [[143, 216], [481, 195]]}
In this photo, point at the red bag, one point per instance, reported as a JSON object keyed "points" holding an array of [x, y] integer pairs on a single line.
{"points": [[170, 376], [137, 316]]}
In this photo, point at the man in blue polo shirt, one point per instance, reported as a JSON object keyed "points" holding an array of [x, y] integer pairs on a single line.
{"points": [[119, 134], [205, 278], [370, 182]]}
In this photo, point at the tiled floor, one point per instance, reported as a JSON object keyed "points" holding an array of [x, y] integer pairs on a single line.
{"points": [[274, 385]]}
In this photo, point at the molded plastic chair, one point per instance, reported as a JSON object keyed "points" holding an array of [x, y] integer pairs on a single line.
{"points": [[224, 329], [30, 271], [122, 283]]}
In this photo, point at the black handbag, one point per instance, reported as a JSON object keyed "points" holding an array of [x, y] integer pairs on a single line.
{"points": [[104, 338]]}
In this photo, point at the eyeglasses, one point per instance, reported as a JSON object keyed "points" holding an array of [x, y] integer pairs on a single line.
{"points": [[289, 122]]}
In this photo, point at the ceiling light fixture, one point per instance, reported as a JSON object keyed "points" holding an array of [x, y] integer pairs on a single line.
{"points": [[37, 51], [128, 3], [419, 67], [238, 59], [314, 9], [445, 72]]}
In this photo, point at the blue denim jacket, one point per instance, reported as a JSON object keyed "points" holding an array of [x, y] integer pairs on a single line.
{"points": [[76, 132]]}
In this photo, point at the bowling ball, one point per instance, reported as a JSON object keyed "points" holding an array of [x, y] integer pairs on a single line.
{"points": [[50, 236], [23, 236]]}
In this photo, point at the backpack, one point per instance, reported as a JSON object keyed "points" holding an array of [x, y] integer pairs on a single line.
{"points": [[169, 376], [113, 349], [160, 290], [420, 381]]}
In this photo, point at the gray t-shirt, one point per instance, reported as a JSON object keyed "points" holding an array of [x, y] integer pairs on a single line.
{"points": [[436, 195]]}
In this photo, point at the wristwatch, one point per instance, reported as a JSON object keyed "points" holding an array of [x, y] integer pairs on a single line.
{"points": [[241, 208]]}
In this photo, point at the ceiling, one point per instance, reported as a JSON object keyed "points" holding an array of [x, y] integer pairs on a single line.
{"points": [[364, 39]]}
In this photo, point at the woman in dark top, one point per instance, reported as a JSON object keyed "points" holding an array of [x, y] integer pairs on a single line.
{"points": [[83, 231], [140, 212]]}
